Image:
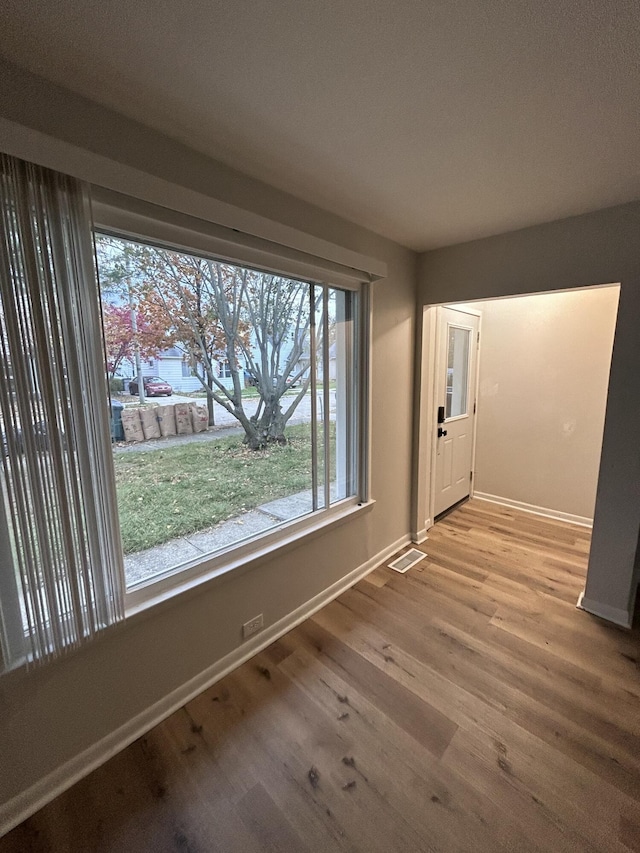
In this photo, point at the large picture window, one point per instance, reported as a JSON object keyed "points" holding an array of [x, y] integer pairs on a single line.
{"points": [[263, 430]]}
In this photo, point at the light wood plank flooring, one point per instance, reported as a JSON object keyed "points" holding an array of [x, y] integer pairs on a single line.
{"points": [[465, 706]]}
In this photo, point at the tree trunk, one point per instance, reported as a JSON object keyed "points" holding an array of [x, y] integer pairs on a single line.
{"points": [[210, 409], [275, 429], [267, 429]]}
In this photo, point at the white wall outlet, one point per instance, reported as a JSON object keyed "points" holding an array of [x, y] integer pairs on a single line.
{"points": [[252, 626]]}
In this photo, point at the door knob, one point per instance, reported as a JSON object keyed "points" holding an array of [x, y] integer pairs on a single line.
{"points": [[441, 432]]}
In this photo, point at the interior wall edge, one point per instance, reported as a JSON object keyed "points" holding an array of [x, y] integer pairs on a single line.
{"points": [[421, 535], [605, 611]]}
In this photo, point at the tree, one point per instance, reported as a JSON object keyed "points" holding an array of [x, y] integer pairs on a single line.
{"points": [[214, 312], [278, 312], [121, 337], [127, 333], [175, 285], [253, 321]]}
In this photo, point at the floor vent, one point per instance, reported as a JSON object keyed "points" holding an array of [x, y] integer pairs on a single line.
{"points": [[407, 561]]}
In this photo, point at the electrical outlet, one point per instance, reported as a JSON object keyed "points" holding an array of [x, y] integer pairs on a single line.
{"points": [[252, 626]]}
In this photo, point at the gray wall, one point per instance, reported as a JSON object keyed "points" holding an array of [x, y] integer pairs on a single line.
{"points": [[49, 716], [597, 248], [542, 393]]}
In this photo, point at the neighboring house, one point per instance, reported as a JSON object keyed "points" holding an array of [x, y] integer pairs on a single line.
{"points": [[172, 366]]}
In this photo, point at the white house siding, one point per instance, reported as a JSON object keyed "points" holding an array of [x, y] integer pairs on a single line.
{"points": [[170, 368]]}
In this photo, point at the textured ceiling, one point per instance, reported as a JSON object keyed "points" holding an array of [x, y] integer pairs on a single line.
{"points": [[431, 122]]}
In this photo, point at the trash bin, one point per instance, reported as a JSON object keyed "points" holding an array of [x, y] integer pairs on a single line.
{"points": [[117, 432]]}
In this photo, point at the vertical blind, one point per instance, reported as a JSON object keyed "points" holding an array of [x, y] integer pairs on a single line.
{"points": [[58, 523]]}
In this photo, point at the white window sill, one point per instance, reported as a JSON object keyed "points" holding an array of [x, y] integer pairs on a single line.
{"points": [[240, 559]]}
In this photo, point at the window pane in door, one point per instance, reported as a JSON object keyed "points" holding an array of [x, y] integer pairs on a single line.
{"points": [[457, 371]]}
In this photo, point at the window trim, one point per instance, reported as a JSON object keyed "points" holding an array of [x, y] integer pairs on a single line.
{"points": [[278, 248], [245, 556], [266, 545], [133, 219], [224, 369]]}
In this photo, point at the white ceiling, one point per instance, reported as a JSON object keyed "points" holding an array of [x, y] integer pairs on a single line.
{"points": [[429, 121]]}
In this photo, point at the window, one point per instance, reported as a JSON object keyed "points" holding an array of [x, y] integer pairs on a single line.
{"points": [[238, 459], [105, 501], [457, 371]]}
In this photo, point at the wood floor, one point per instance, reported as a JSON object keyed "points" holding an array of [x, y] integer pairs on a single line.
{"points": [[465, 706]]}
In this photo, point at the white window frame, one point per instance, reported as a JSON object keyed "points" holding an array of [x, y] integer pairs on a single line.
{"points": [[145, 223]]}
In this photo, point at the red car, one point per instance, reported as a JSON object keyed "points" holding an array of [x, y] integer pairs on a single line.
{"points": [[153, 387]]}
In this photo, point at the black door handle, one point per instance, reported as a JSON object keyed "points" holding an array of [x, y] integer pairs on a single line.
{"points": [[441, 432]]}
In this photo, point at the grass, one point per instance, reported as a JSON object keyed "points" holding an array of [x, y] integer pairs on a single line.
{"points": [[168, 493]]}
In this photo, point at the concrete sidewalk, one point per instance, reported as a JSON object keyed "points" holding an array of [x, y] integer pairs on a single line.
{"points": [[144, 565]]}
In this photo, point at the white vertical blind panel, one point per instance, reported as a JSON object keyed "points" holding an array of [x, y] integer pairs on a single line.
{"points": [[58, 482]]}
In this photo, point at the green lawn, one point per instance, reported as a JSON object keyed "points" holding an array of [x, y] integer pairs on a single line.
{"points": [[168, 493]]}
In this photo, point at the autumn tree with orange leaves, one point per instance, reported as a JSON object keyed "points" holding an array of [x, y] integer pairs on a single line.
{"points": [[120, 337]]}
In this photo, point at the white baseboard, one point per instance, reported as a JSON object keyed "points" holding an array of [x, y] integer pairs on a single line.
{"points": [[28, 802], [419, 537], [581, 520], [605, 611]]}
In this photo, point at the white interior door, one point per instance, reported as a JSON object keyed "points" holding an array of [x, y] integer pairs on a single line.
{"points": [[455, 383]]}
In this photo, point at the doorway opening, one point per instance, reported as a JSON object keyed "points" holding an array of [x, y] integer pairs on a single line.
{"points": [[539, 384]]}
